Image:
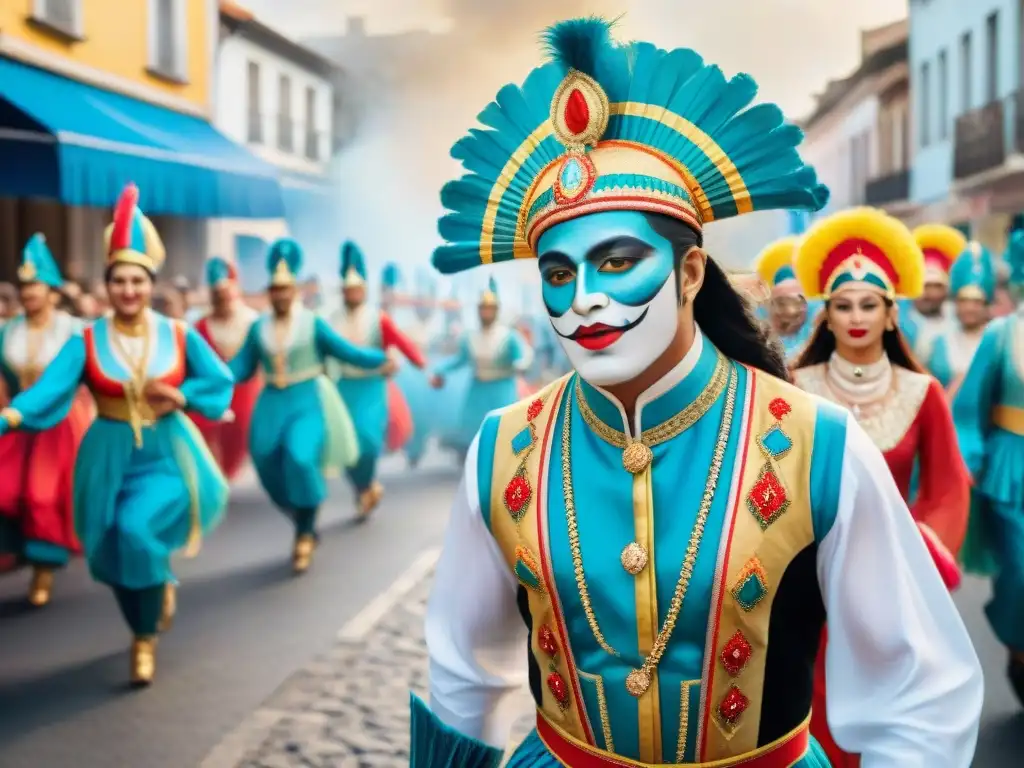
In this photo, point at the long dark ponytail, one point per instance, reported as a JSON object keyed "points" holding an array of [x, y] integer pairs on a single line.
{"points": [[823, 343], [722, 313]]}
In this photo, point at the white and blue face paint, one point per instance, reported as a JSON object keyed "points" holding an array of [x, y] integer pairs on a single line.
{"points": [[609, 288]]}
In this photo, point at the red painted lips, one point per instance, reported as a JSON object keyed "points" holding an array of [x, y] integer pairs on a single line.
{"points": [[597, 336]]}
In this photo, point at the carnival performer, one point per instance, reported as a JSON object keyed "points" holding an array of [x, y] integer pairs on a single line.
{"points": [[301, 430], [145, 484], [787, 305], [661, 516], [497, 355], [226, 328], [972, 281], [365, 390], [989, 412], [424, 401], [445, 349], [36, 521], [927, 316], [860, 262]]}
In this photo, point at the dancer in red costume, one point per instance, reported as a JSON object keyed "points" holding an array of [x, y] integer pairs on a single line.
{"points": [[859, 262], [36, 522], [225, 329]]}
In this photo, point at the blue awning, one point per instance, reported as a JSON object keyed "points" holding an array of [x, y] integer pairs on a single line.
{"points": [[65, 140]]}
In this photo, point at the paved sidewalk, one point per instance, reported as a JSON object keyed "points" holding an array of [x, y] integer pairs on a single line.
{"points": [[349, 708]]}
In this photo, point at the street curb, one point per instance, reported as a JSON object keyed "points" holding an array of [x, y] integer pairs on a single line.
{"points": [[251, 732]]}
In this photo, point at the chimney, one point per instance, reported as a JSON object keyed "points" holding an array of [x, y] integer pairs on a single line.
{"points": [[356, 26]]}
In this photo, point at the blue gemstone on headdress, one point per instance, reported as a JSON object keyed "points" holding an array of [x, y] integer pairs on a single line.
{"points": [[572, 175]]}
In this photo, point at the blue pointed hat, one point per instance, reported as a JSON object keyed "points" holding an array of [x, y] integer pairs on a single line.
{"points": [[390, 276], [219, 270], [1014, 257], [284, 262], [973, 274], [608, 126], [353, 266], [38, 264]]}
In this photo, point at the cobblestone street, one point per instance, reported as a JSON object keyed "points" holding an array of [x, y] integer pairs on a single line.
{"points": [[349, 708]]}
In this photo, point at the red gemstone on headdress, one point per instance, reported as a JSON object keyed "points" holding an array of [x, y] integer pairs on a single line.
{"points": [[577, 113]]}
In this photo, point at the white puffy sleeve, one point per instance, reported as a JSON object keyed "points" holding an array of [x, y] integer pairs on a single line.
{"points": [[476, 639], [905, 685]]}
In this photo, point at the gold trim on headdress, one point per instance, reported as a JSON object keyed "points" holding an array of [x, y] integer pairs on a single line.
{"points": [[488, 299], [353, 279], [27, 272], [152, 260], [282, 275]]}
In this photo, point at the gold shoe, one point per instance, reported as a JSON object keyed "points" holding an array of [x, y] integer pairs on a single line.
{"points": [[302, 554], [42, 586], [170, 608], [370, 498], [143, 660]]}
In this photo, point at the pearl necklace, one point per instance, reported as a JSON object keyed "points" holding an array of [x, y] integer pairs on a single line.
{"points": [[860, 387]]}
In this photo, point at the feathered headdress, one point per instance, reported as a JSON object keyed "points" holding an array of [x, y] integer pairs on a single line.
{"points": [[973, 274], [940, 245], [131, 238], [353, 266], [605, 126], [219, 270], [859, 248], [390, 276], [38, 264], [1014, 257], [284, 262], [489, 298], [775, 266]]}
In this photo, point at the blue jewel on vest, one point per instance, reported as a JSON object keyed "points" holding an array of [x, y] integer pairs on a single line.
{"points": [[775, 443]]}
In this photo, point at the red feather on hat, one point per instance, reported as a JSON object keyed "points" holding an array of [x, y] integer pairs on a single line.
{"points": [[124, 210]]}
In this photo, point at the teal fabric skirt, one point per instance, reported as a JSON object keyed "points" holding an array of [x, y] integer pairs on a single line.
{"points": [[134, 507], [366, 401], [299, 436], [481, 398], [533, 754], [425, 403]]}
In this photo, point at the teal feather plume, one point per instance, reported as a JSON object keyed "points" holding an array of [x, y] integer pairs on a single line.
{"points": [[973, 268], [677, 104], [352, 258], [288, 250], [1015, 257]]}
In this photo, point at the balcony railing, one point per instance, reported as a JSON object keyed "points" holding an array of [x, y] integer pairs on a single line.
{"points": [[979, 141], [888, 189], [285, 133]]}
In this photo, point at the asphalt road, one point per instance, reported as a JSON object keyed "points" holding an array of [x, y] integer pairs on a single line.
{"points": [[245, 624]]}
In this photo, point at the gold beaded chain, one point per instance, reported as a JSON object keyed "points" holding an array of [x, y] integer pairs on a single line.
{"points": [[636, 452], [639, 680]]}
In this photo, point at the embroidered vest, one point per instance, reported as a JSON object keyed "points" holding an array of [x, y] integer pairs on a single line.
{"points": [[768, 528]]}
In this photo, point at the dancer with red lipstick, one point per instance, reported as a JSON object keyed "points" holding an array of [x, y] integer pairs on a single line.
{"points": [[498, 356], [859, 262]]}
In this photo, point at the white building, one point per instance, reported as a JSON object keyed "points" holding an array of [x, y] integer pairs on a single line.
{"points": [[277, 98], [858, 137]]}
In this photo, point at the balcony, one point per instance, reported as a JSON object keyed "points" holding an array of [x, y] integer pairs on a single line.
{"points": [[888, 189], [979, 141]]}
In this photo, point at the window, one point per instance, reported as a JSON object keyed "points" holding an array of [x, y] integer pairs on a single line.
{"points": [[63, 16], [943, 95], [285, 129], [992, 57], [255, 113], [965, 73], [312, 135], [925, 112], [168, 40]]}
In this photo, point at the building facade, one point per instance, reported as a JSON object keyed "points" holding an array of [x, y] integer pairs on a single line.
{"points": [[858, 136], [98, 93], [277, 98], [966, 77]]}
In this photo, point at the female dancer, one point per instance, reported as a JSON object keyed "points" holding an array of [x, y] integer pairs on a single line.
{"points": [[857, 357], [35, 484], [145, 484], [301, 430], [225, 329]]}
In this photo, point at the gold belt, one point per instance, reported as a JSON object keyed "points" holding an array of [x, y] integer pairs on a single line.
{"points": [[285, 380], [1009, 418], [118, 409]]}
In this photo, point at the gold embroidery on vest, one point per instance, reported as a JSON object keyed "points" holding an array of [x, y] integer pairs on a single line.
{"points": [[684, 718]]}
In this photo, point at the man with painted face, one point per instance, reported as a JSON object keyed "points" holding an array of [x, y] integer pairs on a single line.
{"points": [[672, 522]]}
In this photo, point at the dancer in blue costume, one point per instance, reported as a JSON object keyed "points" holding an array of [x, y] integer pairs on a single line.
{"points": [[496, 355], [672, 521], [972, 282], [364, 390], [787, 305], [145, 484], [301, 430], [989, 413], [444, 349], [424, 401], [928, 315]]}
